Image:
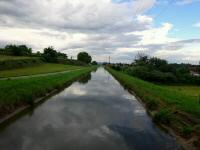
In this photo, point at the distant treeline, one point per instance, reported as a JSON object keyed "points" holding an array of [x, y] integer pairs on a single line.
{"points": [[159, 70], [16, 50], [49, 54]]}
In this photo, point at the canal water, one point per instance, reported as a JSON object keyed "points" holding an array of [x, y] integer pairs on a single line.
{"points": [[95, 113]]}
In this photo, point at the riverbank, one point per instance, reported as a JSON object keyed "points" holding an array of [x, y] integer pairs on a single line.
{"points": [[176, 112], [19, 93], [43, 68]]}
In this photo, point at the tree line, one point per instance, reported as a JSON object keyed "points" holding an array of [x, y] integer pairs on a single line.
{"points": [[158, 70], [49, 54]]}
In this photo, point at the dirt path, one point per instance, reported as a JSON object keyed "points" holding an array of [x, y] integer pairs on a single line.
{"points": [[38, 75]]}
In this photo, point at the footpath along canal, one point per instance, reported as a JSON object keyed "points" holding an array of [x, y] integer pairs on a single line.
{"points": [[95, 113]]}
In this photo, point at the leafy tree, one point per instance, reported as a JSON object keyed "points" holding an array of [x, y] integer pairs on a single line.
{"points": [[199, 67], [21, 50], [141, 59], [62, 55], [38, 54], [158, 70], [157, 63], [94, 63], [84, 57], [24, 50], [50, 54]]}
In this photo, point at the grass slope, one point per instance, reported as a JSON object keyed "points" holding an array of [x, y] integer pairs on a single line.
{"points": [[187, 90], [41, 69], [171, 98], [169, 106], [16, 91]]}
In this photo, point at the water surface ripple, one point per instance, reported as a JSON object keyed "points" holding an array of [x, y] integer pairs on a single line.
{"points": [[95, 113]]}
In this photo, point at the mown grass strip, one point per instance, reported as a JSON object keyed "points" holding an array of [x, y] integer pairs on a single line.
{"points": [[156, 94], [40, 69]]}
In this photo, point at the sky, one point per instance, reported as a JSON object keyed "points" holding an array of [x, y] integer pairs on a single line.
{"points": [[168, 29]]}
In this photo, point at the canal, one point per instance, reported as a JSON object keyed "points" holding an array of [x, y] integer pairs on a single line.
{"points": [[94, 113]]}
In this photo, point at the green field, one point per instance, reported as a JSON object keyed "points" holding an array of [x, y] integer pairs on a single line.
{"points": [[26, 90], [187, 90], [6, 57], [168, 97], [41, 69]]}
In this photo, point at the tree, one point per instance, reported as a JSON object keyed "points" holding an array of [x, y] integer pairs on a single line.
{"points": [[24, 50], [141, 59], [62, 55], [38, 54], [94, 63], [21, 50], [84, 57], [50, 54]]}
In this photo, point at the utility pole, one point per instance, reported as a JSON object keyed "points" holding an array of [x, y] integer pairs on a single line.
{"points": [[109, 59]]}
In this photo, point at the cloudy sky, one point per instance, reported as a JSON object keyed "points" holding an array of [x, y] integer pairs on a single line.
{"points": [[168, 29]]}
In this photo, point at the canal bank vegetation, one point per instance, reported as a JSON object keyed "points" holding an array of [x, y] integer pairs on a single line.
{"points": [[159, 71], [19, 60], [39, 69], [170, 108], [19, 92], [19, 56], [171, 96]]}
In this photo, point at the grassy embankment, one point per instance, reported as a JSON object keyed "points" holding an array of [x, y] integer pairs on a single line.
{"points": [[19, 92], [187, 90], [40, 69], [14, 62], [168, 105]]}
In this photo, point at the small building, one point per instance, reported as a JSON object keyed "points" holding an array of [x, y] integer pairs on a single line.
{"points": [[193, 73]]}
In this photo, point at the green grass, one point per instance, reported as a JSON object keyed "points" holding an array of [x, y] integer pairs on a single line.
{"points": [[41, 69], [6, 57], [165, 96], [187, 90], [16, 91]]}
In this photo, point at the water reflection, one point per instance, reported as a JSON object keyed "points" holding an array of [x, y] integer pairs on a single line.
{"points": [[85, 78], [95, 115]]}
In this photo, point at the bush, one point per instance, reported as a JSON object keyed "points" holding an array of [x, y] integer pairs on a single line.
{"points": [[139, 71], [14, 64], [21, 50], [94, 63], [75, 62], [158, 76], [152, 104], [187, 131], [163, 116], [116, 67]]}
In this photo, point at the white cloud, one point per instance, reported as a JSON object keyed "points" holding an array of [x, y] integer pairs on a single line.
{"points": [[197, 24], [156, 35], [184, 2], [102, 28]]}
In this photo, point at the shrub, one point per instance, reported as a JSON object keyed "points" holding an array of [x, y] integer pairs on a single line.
{"points": [[163, 116], [14, 64], [116, 67], [187, 131], [18, 50], [94, 63], [152, 104]]}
